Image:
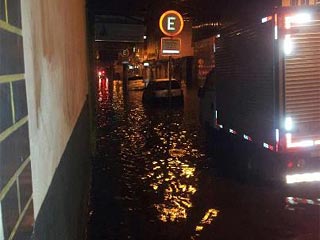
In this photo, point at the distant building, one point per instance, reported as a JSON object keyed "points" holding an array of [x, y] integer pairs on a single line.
{"points": [[118, 40], [288, 3]]}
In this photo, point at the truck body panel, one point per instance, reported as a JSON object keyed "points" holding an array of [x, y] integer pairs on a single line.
{"points": [[245, 80], [268, 81], [302, 79]]}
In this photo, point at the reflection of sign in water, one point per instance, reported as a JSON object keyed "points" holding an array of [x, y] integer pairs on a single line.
{"points": [[170, 46]]}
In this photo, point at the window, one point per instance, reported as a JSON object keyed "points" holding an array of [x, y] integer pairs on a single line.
{"points": [[294, 2], [304, 2]]}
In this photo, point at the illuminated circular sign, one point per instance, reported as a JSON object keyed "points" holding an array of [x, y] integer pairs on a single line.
{"points": [[171, 23]]}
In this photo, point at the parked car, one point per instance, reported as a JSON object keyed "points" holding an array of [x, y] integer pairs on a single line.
{"points": [[207, 101], [136, 82], [158, 91]]}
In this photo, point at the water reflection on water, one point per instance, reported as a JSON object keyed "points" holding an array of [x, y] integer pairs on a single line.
{"points": [[206, 220], [154, 152], [157, 150], [150, 181]]}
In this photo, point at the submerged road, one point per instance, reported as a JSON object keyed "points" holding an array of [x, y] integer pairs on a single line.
{"points": [[153, 178]]}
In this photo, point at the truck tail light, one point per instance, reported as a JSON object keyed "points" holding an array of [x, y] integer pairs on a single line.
{"points": [[304, 177], [290, 164], [288, 44], [303, 143], [300, 18]]}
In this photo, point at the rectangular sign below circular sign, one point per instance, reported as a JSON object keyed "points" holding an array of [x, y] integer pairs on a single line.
{"points": [[170, 46]]}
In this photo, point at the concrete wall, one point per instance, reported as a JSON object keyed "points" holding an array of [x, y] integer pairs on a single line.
{"points": [[56, 74]]}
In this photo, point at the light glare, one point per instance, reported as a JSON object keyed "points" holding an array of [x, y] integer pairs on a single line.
{"points": [[171, 51], [298, 19], [301, 18], [305, 177], [277, 135], [288, 46], [288, 124], [304, 143]]}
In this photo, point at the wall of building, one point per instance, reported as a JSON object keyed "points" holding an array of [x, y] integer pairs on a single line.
{"points": [[16, 208], [55, 53], [56, 73], [287, 3], [204, 58], [186, 40]]}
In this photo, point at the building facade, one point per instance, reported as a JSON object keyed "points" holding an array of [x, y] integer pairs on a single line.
{"points": [[16, 197], [288, 3], [119, 40], [44, 120]]}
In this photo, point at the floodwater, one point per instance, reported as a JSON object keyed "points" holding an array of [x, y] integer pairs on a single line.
{"points": [[153, 178]]}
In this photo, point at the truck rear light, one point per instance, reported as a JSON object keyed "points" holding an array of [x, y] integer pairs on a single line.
{"points": [[288, 45], [276, 26], [290, 164], [288, 124], [304, 177], [303, 143], [300, 18], [277, 135], [296, 163], [287, 22]]}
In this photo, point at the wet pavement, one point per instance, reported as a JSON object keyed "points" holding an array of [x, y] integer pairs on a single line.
{"points": [[154, 178]]}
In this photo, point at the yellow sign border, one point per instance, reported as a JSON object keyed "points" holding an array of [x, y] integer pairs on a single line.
{"points": [[161, 20]]}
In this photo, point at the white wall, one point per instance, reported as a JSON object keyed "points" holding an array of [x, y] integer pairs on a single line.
{"points": [[54, 34]]}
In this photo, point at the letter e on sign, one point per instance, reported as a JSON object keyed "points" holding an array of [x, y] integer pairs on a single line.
{"points": [[171, 23]]}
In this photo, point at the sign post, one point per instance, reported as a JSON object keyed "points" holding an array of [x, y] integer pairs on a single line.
{"points": [[171, 24]]}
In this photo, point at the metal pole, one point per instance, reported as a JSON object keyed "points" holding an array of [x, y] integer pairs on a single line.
{"points": [[170, 77], [125, 77]]}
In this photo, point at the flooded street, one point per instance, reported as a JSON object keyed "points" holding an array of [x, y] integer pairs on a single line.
{"points": [[153, 178]]}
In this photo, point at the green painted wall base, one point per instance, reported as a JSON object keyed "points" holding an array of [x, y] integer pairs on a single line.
{"points": [[63, 214]]}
